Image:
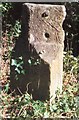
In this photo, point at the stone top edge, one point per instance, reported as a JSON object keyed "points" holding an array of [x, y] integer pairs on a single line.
{"points": [[46, 5]]}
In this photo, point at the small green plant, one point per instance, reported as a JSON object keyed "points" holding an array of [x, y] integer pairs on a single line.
{"points": [[16, 29], [18, 64]]}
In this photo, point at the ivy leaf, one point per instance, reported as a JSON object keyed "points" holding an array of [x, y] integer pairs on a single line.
{"points": [[20, 57], [14, 62], [17, 70], [29, 61]]}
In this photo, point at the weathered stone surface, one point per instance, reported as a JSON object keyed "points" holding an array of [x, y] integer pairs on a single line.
{"points": [[46, 29], [44, 35]]}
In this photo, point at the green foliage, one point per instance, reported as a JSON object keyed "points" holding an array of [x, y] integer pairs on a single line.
{"points": [[18, 65], [71, 63], [13, 28], [17, 29], [65, 104], [6, 17], [9, 38], [5, 7]]}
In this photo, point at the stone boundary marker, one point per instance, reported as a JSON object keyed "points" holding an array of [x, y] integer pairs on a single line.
{"points": [[46, 38], [44, 35]]}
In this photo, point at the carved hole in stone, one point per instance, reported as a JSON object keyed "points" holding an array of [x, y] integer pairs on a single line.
{"points": [[47, 35], [44, 14]]}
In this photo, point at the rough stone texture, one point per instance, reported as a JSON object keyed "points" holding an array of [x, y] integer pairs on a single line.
{"points": [[44, 35]]}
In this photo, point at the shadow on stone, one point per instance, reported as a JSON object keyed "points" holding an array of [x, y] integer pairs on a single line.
{"points": [[36, 79]]}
